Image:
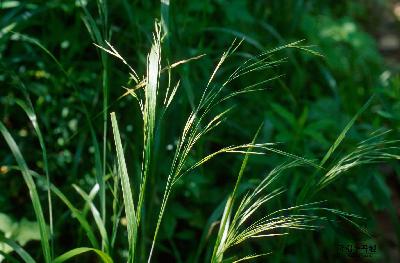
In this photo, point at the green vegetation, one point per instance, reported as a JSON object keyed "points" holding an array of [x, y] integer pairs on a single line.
{"points": [[203, 131]]}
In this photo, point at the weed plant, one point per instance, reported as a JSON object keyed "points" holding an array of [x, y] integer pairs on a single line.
{"points": [[246, 215], [127, 204]]}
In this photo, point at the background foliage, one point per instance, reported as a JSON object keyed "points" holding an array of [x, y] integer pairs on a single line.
{"points": [[46, 51]]}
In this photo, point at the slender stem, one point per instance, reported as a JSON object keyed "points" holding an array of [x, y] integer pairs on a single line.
{"points": [[105, 127], [102, 4], [167, 192]]}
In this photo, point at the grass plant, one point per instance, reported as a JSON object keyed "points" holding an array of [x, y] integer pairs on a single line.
{"points": [[130, 187]]}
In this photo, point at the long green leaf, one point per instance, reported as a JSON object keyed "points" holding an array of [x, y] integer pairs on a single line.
{"points": [[165, 16], [99, 170], [96, 215], [29, 110], [126, 190], [80, 250], [78, 215], [219, 244], [149, 114], [17, 248], [100, 37], [44, 236], [310, 184], [342, 135]]}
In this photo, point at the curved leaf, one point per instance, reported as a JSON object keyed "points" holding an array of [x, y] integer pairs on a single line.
{"points": [[80, 250]]}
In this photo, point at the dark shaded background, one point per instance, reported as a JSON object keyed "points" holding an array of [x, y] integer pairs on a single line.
{"points": [[306, 109]]}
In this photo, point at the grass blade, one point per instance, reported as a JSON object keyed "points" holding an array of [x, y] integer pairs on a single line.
{"points": [[126, 190], [100, 36], [78, 215], [44, 236], [149, 113], [80, 250], [165, 16], [223, 232], [224, 227], [18, 249], [100, 171], [342, 135], [29, 110], [96, 215]]}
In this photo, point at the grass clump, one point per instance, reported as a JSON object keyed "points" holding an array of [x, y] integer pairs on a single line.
{"points": [[243, 217]]}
